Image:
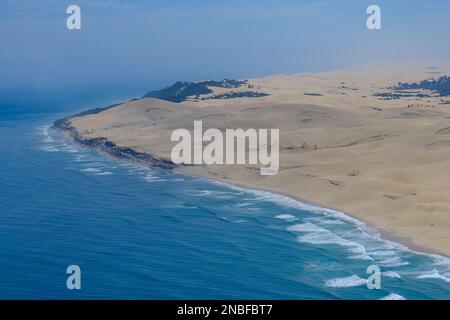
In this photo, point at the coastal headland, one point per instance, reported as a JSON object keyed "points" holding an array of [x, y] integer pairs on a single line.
{"points": [[371, 142]]}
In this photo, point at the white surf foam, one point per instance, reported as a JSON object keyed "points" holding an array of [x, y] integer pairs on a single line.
{"points": [[90, 170], [320, 236], [94, 164], [48, 140], [153, 179], [390, 274], [346, 282], [395, 261], [44, 132], [49, 149], [242, 204], [325, 221], [69, 149], [361, 257], [434, 274], [305, 227], [382, 253], [393, 296], [202, 193], [287, 217], [80, 158], [103, 173], [388, 249]]}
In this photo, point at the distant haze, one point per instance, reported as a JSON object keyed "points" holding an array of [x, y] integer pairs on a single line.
{"points": [[126, 48]]}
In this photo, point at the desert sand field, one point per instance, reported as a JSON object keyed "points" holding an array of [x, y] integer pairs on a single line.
{"points": [[342, 144]]}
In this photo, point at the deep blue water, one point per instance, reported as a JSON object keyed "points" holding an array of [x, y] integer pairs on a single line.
{"points": [[140, 233]]}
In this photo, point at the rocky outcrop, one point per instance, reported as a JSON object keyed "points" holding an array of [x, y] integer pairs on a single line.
{"points": [[103, 145]]}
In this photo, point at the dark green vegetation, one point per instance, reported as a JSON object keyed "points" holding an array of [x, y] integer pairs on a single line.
{"points": [[181, 91], [398, 95], [440, 86], [237, 94]]}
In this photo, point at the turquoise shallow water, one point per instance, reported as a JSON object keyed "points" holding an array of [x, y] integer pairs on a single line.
{"points": [[140, 233]]}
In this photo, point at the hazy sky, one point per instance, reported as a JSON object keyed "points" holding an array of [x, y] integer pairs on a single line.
{"points": [[126, 48]]}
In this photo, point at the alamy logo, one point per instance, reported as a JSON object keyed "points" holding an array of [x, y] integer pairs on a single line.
{"points": [[73, 21], [74, 280], [374, 280], [374, 20], [238, 143]]}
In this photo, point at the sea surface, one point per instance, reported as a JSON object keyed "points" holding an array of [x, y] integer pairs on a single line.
{"points": [[139, 233]]}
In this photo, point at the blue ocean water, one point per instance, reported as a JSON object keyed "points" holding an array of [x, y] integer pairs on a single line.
{"points": [[140, 233]]}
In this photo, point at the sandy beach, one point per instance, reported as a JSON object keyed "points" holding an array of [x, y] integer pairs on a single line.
{"points": [[348, 141]]}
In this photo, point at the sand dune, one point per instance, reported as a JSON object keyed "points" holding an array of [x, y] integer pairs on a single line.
{"points": [[386, 162]]}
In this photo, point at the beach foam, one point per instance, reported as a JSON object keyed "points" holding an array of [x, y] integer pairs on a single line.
{"points": [[287, 217], [90, 170], [369, 242], [393, 296], [103, 173], [393, 262], [43, 131], [390, 274], [318, 236], [346, 282], [434, 274], [305, 227]]}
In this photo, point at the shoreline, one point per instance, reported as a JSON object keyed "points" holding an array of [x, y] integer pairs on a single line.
{"points": [[356, 145], [384, 234], [108, 148]]}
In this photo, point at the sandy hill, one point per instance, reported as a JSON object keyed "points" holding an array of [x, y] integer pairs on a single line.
{"points": [[372, 142]]}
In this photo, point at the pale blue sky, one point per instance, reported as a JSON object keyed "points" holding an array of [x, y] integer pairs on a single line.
{"points": [[126, 48]]}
